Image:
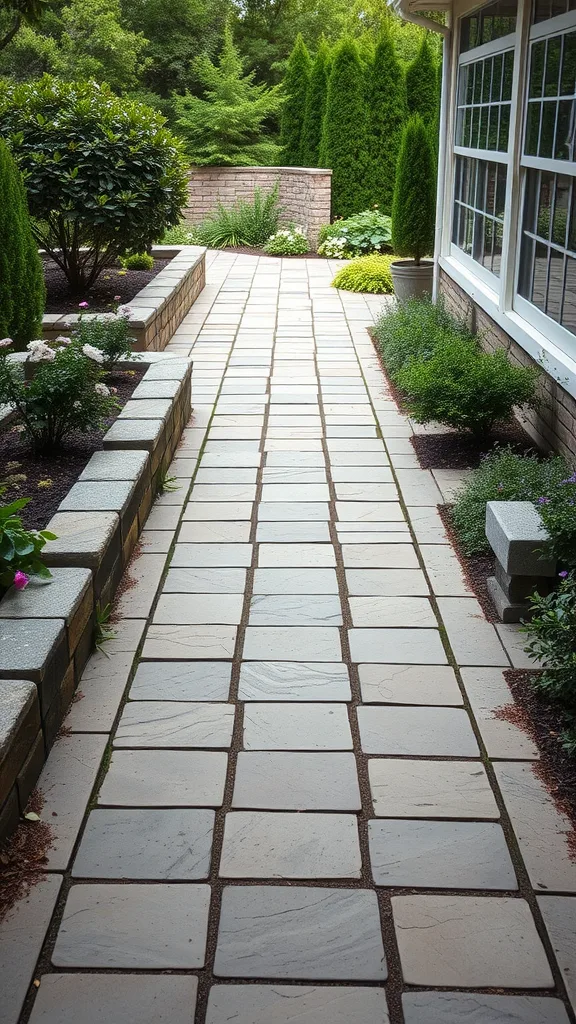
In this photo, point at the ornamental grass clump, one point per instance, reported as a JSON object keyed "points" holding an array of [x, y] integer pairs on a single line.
{"points": [[244, 223], [366, 274]]}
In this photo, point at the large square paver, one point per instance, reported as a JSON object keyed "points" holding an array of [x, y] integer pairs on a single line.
{"points": [[386, 583], [431, 789], [304, 556], [392, 611], [440, 855], [424, 732], [293, 511], [205, 581], [397, 646], [469, 942], [180, 642], [177, 724], [292, 643], [145, 844], [282, 780], [140, 926], [293, 681], [263, 844], [295, 610], [199, 609], [181, 680], [297, 932], [295, 581], [296, 727], [409, 684], [456, 1007], [379, 556], [205, 556], [559, 913], [275, 1004], [147, 999], [165, 778]]}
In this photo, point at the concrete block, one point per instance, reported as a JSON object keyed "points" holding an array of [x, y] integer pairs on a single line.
{"points": [[516, 535]]}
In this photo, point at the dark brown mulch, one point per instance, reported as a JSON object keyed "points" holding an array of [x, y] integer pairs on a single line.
{"points": [[461, 451], [252, 251], [476, 569], [23, 857], [50, 477], [112, 281], [545, 722]]}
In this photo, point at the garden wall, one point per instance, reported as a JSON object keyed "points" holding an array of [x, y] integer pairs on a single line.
{"points": [[554, 422], [305, 192]]}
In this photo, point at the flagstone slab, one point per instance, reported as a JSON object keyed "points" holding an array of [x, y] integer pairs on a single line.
{"points": [[157, 999], [281, 780], [421, 731], [296, 727], [293, 681], [152, 845], [198, 609], [205, 556], [388, 556], [370, 511], [397, 646], [134, 926], [22, 933], [292, 533], [275, 1004], [392, 611], [300, 933], [474, 641], [164, 778], [440, 855], [455, 1007], [181, 681], [217, 510], [470, 942], [213, 532], [175, 724], [209, 580], [295, 610], [292, 643], [431, 789], [293, 511], [174, 643], [263, 844], [488, 693], [409, 684], [306, 556], [387, 583], [559, 913], [295, 581]]}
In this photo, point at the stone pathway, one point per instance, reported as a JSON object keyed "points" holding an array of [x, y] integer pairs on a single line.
{"points": [[306, 810]]}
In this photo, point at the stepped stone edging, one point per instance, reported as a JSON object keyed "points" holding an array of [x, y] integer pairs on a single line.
{"points": [[46, 631], [160, 307]]}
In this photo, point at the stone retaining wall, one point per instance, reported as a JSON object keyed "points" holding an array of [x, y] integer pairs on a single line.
{"points": [[47, 630], [305, 192], [553, 424]]}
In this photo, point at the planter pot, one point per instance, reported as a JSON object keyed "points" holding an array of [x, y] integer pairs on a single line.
{"points": [[412, 281]]}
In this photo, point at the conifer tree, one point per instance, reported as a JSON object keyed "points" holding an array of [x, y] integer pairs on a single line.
{"points": [[295, 84], [422, 85], [344, 137], [414, 203], [315, 107], [387, 102], [226, 126], [22, 291]]}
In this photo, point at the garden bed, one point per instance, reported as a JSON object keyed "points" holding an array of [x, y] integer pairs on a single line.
{"points": [[461, 451], [114, 286]]}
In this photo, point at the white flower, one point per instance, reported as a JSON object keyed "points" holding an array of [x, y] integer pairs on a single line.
{"points": [[93, 353], [124, 311], [77, 405], [62, 340], [40, 352], [101, 389], [6, 342]]}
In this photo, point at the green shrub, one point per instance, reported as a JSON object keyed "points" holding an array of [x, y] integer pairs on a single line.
{"points": [[363, 233], [103, 175], [466, 388], [66, 392], [110, 334], [295, 85], [344, 136], [182, 234], [422, 85], [20, 548], [413, 329], [366, 274], [244, 223], [138, 261], [22, 291], [287, 242], [558, 512], [503, 475], [387, 115], [315, 107], [552, 639], [414, 204]]}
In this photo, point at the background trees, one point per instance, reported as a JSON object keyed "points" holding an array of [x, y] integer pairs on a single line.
{"points": [[315, 107], [387, 115], [344, 145], [21, 277], [295, 84]]}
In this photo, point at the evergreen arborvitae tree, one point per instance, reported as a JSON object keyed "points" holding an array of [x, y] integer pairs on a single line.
{"points": [[387, 100], [344, 137], [295, 83], [22, 291], [226, 126], [414, 204], [422, 85], [315, 107]]}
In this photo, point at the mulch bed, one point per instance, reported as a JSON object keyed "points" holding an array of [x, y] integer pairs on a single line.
{"points": [[50, 477], [24, 856], [461, 451], [112, 281]]}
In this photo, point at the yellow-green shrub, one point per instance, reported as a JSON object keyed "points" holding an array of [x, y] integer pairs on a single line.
{"points": [[366, 274]]}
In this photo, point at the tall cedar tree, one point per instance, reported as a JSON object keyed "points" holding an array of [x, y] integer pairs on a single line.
{"points": [[22, 292], [422, 85], [387, 99], [315, 107], [226, 126], [414, 204], [296, 81], [344, 138]]}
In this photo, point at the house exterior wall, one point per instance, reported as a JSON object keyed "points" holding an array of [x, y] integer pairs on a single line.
{"points": [[305, 192]]}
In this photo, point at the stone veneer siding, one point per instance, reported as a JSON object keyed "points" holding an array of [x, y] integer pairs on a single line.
{"points": [[553, 424], [305, 192]]}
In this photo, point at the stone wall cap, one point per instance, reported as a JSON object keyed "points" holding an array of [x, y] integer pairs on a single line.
{"points": [[81, 535], [116, 465], [26, 645], [134, 434], [16, 698], [57, 598], [146, 409], [229, 168], [98, 496]]}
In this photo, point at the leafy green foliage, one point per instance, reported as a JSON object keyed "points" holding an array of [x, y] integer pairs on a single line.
{"points": [[226, 127], [103, 175], [183, 234], [66, 392], [558, 513], [422, 84], [287, 242], [109, 334], [242, 224], [387, 115], [366, 274], [296, 79], [17, 13], [315, 107], [20, 548], [22, 292], [552, 639], [466, 388], [503, 475], [369, 231], [344, 137], [413, 329], [414, 203], [138, 261]]}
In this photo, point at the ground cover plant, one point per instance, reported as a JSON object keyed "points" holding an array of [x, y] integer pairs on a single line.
{"points": [[366, 274], [289, 241], [363, 233]]}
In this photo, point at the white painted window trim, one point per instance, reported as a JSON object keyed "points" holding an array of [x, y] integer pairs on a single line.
{"points": [[487, 49]]}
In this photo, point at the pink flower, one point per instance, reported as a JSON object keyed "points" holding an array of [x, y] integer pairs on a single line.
{"points": [[117, 298], [6, 342], [21, 580], [563, 574], [82, 305]]}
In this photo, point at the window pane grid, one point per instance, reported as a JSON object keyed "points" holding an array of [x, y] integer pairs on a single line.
{"points": [[478, 210], [551, 114], [484, 101], [547, 256]]}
